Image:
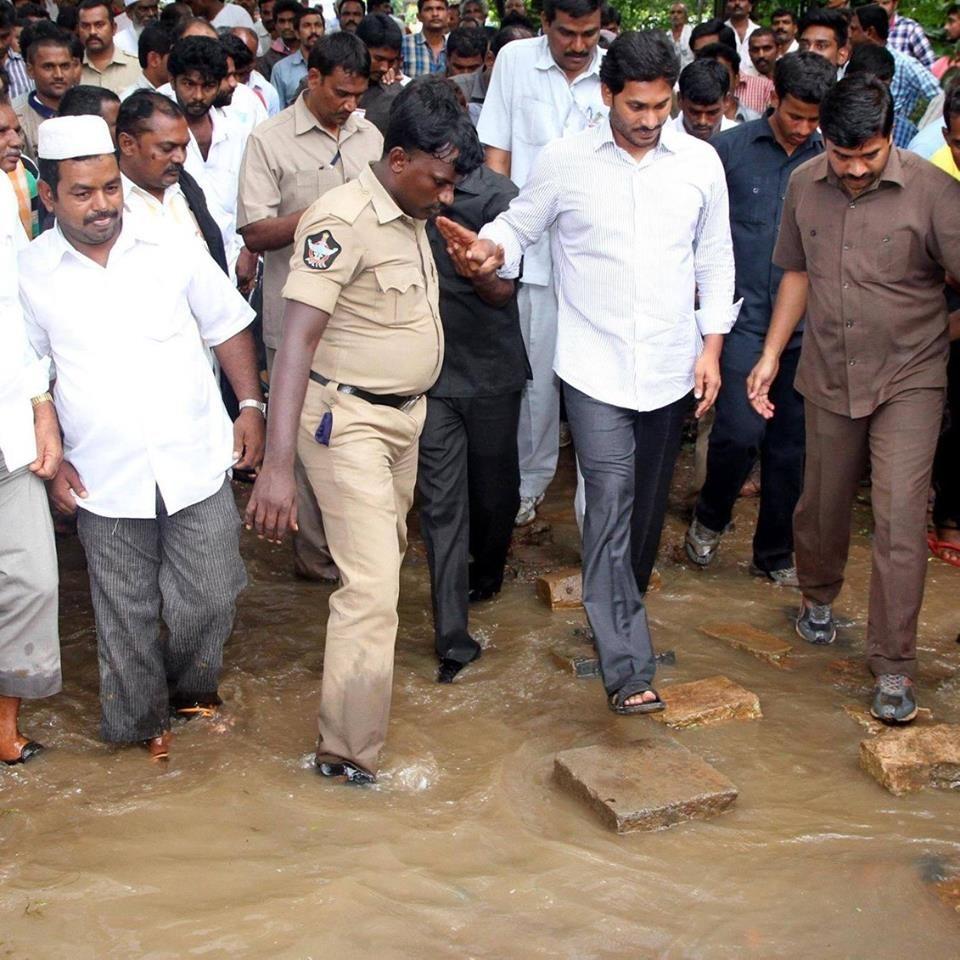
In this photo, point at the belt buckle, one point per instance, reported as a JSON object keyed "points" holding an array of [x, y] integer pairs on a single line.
{"points": [[410, 402]]}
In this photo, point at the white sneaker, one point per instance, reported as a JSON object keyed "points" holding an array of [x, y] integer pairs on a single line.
{"points": [[528, 510]]}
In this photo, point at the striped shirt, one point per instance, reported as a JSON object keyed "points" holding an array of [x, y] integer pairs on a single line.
{"points": [[16, 69], [632, 242], [907, 36], [911, 83], [419, 59]]}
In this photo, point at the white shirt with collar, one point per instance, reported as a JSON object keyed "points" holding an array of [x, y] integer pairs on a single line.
{"points": [[22, 373], [632, 243], [246, 109], [529, 103], [142, 84], [173, 210], [137, 400], [677, 123], [743, 47], [128, 40], [271, 99]]}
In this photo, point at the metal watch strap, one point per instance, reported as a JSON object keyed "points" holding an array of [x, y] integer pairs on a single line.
{"points": [[255, 404]]}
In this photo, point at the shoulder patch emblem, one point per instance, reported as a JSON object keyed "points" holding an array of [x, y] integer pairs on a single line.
{"points": [[320, 250]]}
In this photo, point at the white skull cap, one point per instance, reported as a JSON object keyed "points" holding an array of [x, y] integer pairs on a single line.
{"points": [[64, 138]]}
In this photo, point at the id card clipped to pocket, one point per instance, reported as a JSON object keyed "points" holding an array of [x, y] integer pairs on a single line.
{"points": [[323, 431]]}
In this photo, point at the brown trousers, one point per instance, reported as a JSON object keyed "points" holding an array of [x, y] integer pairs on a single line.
{"points": [[899, 438], [364, 482], [311, 556]]}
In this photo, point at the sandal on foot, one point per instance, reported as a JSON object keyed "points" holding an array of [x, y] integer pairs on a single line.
{"points": [[701, 543], [158, 747], [27, 752], [618, 703], [942, 549], [893, 699]]}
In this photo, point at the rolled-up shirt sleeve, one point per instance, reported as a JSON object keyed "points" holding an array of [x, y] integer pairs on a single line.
{"points": [[529, 215], [713, 260]]}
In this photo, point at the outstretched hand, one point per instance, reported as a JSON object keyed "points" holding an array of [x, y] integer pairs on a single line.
{"points": [[472, 257]]}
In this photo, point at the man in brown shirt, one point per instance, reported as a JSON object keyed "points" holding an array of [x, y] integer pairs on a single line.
{"points": [[291, 159], [867, 232], [362, 342]]}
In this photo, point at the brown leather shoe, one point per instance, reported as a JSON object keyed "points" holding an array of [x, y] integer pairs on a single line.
{"points": [[159, 747]]}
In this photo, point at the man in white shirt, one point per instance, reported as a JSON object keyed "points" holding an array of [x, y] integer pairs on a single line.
{"points": [[221, 14], [738, 20], [147, 441], [703, 89], [153, 52], [141, 13], [250, 77], [679, 33], [640, 224], [29, 453], [540, 90]]}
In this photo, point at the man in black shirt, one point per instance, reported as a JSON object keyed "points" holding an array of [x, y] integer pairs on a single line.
{"points": [[469, 474]]}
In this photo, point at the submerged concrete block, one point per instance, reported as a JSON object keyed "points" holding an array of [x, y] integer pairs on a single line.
{"points": [[561, 589], [576, 658], [742, 636], [644, 785], [911, 758], [861, 714], [711, 700]]}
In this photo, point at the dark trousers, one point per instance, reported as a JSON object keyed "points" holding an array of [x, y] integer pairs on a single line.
{"points": [[946, 465], [468, 482], [185, 567], [899, 438], [739, 436], [627, 461]]}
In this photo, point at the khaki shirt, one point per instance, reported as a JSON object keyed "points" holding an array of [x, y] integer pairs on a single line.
{"points": [[289, 162], [876, 317], [30, 122], [121, 72], [358, 257]]}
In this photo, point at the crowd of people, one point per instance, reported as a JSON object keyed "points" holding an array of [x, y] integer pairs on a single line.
{"points": [[438, 256]]}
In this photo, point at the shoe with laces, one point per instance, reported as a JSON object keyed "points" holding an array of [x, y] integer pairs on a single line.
{"points": [[893, 699], [815, 623], [528, 510], [701, 543]]}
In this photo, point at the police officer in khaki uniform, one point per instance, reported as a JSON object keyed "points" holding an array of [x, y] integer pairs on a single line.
{"points": [[362, 342], [314, 145]]}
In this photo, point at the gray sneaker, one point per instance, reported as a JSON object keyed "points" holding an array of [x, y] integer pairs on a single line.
{"points": [[528, 510], [701, 543], [893, 699], [815, 623], [785, 577]]}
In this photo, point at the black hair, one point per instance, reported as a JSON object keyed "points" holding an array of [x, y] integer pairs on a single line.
{"points": [[93, 4], [237, 50], [287, 6], [138, 109], [8, 16], [76, 47], [783, 12], [610, 15], [68, 18], [27, 10], [805, 76], [467, 42], [43, 33], [508, 33], [380, 30], [572, 8], [761, 32], [514, 19], [720, 51], [951, 104], [420, 4], [639, 55], [340, 4], [181, 27], [173, 14], [86, 100], [153, 39], [873, 15], [427, 117], [872, 59], [952, 10], [714, 28], [830, 19], [704, 82], [202, 55], [308, 12], [856, 110], [340, 49]]}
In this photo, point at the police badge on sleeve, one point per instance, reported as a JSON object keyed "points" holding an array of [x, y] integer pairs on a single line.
{"points": [[320, 250]]}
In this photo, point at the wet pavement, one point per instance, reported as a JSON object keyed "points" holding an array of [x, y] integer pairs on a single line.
{"points": [[466, 848]]}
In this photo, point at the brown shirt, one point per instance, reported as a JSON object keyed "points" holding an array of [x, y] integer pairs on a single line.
{"points": [[876, 319], [358, 257], [290, 160], [121, 72]]}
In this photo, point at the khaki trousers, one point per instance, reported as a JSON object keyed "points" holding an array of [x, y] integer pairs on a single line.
{"points": [[899, 438], [364, 482], [311, 556]]}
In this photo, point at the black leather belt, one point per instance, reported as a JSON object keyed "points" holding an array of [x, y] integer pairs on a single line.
{"points": [[379, 399]]}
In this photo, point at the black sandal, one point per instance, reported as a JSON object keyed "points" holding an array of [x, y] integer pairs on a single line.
{"points": [[27, 752], [618, 703]]}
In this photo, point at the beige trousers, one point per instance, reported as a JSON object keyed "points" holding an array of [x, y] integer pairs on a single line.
{"points": [[364, 482]]}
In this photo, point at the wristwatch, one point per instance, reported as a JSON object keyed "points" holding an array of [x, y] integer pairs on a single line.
{"points": [[256, 404], [44, 397]]}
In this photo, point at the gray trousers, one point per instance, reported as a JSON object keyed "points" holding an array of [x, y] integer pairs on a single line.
{"points": [[185, 567], [627, 461], [29, 641]]}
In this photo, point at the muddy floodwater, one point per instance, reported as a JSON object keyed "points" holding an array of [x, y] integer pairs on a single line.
{"points": [[466, 848]]}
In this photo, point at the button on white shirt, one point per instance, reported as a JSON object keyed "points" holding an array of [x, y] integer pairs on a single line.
{"points": [[138, 402], [173, 210], [529, 103], [743, 47], [22, 374], [633, 241]]}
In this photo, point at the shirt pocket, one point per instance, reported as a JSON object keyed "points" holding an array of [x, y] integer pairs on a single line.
{"points": [[537, 124], [754, 199], [403, 290], [888, 257]]}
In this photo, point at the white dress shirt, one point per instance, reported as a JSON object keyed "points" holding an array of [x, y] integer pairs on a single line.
{"points": [[743, 47], [22, 374], [262, 87], [633, 242], [173, 211], [138, 402], [142, 84], [246, 109], [529, 103], [128, 40], [725, 124]]}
